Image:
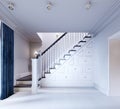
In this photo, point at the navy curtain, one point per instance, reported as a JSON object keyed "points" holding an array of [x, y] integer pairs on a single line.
{"points": [[7, 61]]}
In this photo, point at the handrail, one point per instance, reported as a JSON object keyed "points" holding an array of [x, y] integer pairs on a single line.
{"points": [[53, 43]]}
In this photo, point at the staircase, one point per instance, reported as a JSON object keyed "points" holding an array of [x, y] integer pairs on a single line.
{"points": [[60, 52], [56, 55], [23, 84]]}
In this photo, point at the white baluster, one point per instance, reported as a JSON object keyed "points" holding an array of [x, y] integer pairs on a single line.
{"points": [[43, 69], [48, 61], [49, 58], [45, 62]]}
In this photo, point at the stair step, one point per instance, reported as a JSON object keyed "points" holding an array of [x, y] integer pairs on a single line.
{"points": [[77, 46], [67, 55], [57, 64], [24, 82], [82, 41], [43, 77], [48, 72], [26, 78], [23, 86], [24, 89], [62, 60], [87, 37], [71, 51], [52, 68]]}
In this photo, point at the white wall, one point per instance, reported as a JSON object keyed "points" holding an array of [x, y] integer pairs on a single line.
{"points": [[21, 56], [102, 56], [114, 68], [77, 72]]}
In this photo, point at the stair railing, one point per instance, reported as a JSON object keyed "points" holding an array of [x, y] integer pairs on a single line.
{"points": [[52, 55]]}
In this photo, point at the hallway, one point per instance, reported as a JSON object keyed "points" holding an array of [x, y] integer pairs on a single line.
{"points": [[61, 98]]}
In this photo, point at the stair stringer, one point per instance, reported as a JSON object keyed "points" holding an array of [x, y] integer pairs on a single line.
{"points": [[76, 72]]}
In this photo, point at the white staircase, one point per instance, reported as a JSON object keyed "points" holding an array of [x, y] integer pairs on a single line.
{"points": [[60, 52]]}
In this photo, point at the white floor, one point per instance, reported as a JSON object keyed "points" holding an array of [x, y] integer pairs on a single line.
{"points": [[77, 98]]}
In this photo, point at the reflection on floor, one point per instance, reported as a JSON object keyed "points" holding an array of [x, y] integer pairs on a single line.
{"points": [[61, 98]]}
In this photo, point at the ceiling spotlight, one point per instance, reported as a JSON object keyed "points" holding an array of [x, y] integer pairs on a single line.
{"points": [[11, 5], [49, 5], [88, 5]]}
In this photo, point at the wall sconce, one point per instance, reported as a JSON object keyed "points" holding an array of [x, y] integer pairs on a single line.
{"points": [[37, 54]]}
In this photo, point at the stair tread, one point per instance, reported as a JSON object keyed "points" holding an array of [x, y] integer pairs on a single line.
{"points": [[47, 72], [26, 78], [62, 59], [57, 64], [43, 77], [23, 86], [82, 41], [77, 46], [67, 55], [72, 51], [87, 37], [52, 68]]}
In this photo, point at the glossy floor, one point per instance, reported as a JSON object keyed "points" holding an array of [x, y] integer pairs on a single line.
{"points": [[61, 98]]}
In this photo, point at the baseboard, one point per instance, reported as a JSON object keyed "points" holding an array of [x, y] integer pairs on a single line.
{"points": [[102, 90]]}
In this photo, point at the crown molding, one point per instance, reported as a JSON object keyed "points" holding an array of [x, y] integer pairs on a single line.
{"points": [[107, 18]]}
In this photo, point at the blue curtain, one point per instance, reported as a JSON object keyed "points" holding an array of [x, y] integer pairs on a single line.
{"points": [[7, 61]]}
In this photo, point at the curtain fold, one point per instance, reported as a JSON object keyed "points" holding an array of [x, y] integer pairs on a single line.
{"points": [[7, 61]]}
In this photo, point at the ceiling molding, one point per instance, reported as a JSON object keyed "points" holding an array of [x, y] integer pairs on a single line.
{"points": [[107, 18]]}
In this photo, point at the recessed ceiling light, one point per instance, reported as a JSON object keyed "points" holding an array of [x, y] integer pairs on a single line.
{"points": [[11, 5], [88, 5], [49, 5]]}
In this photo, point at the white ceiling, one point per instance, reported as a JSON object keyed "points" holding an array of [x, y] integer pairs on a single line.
{"points": [[31, 16]]}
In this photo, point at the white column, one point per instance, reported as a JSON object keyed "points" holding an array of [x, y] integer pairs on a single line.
{"points": [[34, 75]]}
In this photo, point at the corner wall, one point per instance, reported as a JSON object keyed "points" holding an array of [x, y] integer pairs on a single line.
{"points": [[21, 56], [102, 56]]}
